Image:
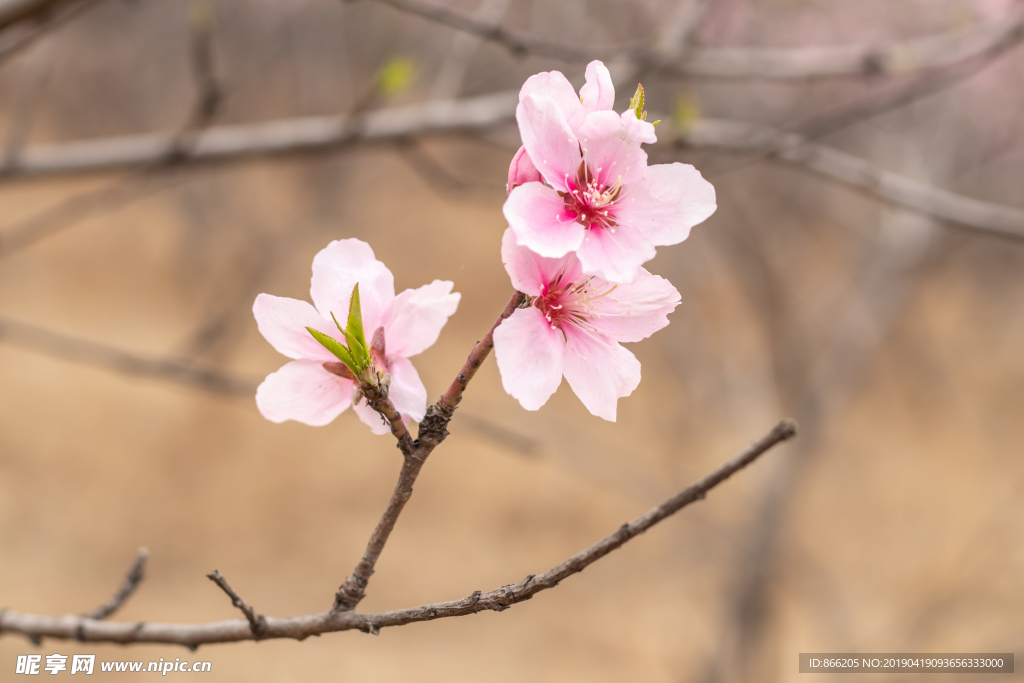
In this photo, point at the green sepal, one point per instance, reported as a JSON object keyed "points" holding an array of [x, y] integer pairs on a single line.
{"points": [[335, 347]]}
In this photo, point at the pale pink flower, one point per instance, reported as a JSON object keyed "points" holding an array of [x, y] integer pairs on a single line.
{"points": [[303, 390], [574, 326], [597, 94], [598, 197]]}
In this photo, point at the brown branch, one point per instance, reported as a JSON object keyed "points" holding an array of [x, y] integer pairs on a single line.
{"points": [[257, 622], [353, 589], [14, 11], [451, 398], [433, 430], [128, 585], [376, 395], [46, 15], [299, 628], [289, 136], [298, 135], [898, 58], [964, 212]]}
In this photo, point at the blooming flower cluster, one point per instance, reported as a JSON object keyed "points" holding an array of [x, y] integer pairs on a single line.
{"points": [[585, 212], [315, 387]]}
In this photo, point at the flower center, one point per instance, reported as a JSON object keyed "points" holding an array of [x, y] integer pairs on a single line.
{"points": [[589, 200], [572, 304]]}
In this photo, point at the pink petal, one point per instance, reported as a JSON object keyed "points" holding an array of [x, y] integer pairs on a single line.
{"points": [[529, 353], [284, 321], [531, 273], [548, 139], [407, 390], [599, 93], [521, 171], [303, 391], [599, 371], [615, 254], [611, 146], [371, 418], [667, 202], [417, 317], [636, 310], [337, 269], [538, 216], [555, 85]]}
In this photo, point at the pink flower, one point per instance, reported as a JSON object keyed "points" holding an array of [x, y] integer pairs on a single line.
{"points": [[598, 197], [573, 327], [597, 94], [402, 326]]}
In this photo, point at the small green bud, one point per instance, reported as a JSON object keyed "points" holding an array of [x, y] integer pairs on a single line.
{"points": [[397, 74], [636, 103]]}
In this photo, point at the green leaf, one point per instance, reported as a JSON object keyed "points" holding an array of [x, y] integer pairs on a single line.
{"points": [[335, 347], [360, 356], [355, 318], [636, 103]]}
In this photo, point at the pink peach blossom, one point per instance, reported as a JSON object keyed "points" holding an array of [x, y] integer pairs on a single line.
{"points": [[573, 327], [597, 94], [598, 197], [303, 390]]}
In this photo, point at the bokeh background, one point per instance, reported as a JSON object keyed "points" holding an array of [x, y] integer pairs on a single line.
{"points": [[128, 353]]}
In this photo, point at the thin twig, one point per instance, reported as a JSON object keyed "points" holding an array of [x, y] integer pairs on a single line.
{"points": [[95, 353], [965, 212], [185, 371], [257, 622], [128, 585], [299, 628], [451, 398], [52, 16], [898, 58], [456, 63]]}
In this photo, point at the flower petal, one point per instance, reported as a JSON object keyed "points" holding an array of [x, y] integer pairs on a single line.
{"points": [[521, 171], [615, 254], [541, 222], [636, 310], [550, 142], [417, 317], [555, 85], [529, 353], [371, 418], [600, 371], [337, 269], [598, 93], [283, 322], [667, 202], [407, 390], [611, 146], [303, 391], [532, 273]]}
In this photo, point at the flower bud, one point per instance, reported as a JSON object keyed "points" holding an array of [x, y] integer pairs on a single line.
{"points": [[521, 171]]}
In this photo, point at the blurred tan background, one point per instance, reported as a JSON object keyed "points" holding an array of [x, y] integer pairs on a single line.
{"points": [[895, 523]]}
